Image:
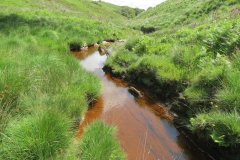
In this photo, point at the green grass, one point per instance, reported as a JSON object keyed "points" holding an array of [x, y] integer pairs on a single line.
{"points": [[159, 66], [122, 61], [228, 97], [66, 8], [37, 136], [98, 143], [221, 128], [43, 89], [205, 84], [56, 80], [172, 15], [47, 135]]}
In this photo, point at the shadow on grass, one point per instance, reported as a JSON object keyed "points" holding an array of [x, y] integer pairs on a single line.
{"points": [[14, 21]]}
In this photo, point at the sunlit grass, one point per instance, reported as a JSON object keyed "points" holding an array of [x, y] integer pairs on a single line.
{"points": [[229, 96], [221, 128], [98, 143], [37, 136], [43, 89]]}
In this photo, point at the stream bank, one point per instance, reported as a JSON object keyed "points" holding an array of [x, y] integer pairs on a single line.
{"points": [[170, 94], [145, 127]]}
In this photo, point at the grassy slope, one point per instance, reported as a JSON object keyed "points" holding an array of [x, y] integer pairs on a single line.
{"points": [[195, 52], [43, 90], [175, 14], [81, 8]]}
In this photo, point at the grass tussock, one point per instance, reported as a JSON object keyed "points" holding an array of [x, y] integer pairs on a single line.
{"points": [[37, 136], [98, 143], [221, 128], [228, 96]]}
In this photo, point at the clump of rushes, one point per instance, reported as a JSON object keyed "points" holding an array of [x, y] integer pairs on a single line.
{"points": [[75, 99], [121, 62], [221, 128], [228, 97], [12, 83], [5, 117], [99, 143], [161, 66], [207, 82], [131, 43], [158, 72], [38, 136], [204, 85]]}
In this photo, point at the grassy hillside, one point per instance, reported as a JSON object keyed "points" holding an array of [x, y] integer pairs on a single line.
{"points": [[175, 14], [68, 8], [43, 90], [191, 61]]}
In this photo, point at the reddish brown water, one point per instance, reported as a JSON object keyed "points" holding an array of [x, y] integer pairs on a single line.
{"points": [[144, 127]]}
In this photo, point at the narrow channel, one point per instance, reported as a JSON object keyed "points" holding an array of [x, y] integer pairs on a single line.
{"points": [[145, 128]]}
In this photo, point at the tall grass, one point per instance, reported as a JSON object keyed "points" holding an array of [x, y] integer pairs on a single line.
{"points": [[161, 66], [205, 84], [37, 136], [122, 62], [221, 128], [99, 143], [229, 96], [43, 89]]}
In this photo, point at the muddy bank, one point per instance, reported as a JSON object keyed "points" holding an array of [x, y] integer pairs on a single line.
{"points": [[94, 112], [166, 92]]}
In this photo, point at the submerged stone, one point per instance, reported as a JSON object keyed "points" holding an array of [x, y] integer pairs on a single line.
{"points": [[135, 92]]}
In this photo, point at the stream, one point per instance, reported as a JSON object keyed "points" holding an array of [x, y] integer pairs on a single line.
{"points": [[145, 128]]}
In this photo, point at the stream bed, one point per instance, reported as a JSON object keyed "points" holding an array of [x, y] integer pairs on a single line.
{"points": [[145, 128]]}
